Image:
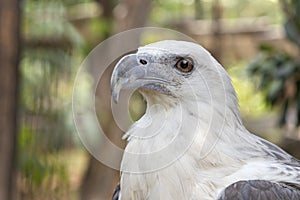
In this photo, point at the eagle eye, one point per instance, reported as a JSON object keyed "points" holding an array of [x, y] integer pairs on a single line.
{"points": [[184, 65]]}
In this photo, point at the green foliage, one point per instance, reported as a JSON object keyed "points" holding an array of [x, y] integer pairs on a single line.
{"points": [[37, 170], [251, 102], [273, 69], [48, 65], [166, 12], [45, 74], [277, 72], [250, 8]]}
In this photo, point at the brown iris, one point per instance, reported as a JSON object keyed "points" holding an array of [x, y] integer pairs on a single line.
{"points": [[184, 65]]}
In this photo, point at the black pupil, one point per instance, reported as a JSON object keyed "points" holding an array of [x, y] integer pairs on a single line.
{"points": [[184, 64], [143, 62]]}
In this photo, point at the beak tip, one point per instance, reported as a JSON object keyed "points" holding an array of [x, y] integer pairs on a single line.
{"points": [[119, 78], [115, 97]]}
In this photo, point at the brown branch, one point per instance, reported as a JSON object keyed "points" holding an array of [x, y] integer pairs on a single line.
{"points": [[9, 59]]}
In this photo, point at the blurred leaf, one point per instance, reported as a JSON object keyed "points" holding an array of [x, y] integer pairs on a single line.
{"points": [[286, 70], [266, 48], [297, 5], [274, 69], [274, 91]]}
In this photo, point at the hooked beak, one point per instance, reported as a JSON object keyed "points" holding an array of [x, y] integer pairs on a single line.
{"points": [[120, 76], [130, 74]]}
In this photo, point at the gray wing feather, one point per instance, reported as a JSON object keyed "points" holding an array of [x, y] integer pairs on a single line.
{"points": [[259, 190], [116, 192]]}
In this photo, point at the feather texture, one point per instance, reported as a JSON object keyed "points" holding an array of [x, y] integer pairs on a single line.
{"points": [[191, 143]]}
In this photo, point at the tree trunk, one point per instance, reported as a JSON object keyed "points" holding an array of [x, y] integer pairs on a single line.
{"points": [[9, 59], [137, 12], [217, 12]]}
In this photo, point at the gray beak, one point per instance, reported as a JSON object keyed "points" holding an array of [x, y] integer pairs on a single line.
{"points": [[127, 74], [130, 74]]}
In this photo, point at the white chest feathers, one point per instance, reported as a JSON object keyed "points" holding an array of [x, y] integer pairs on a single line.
{"points": [[177, 153], [161, 160]]}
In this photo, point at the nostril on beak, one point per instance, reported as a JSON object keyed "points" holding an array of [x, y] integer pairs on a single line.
{"points": [[143, 62]]}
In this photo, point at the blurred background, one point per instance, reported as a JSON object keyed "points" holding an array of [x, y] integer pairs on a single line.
{"points": [[43, 43]]}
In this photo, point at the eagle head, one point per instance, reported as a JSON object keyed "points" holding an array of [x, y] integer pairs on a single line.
{"points": [[172, 72]]}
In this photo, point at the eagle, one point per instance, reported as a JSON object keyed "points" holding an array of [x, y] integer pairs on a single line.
{"points": [[191, 142]]}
